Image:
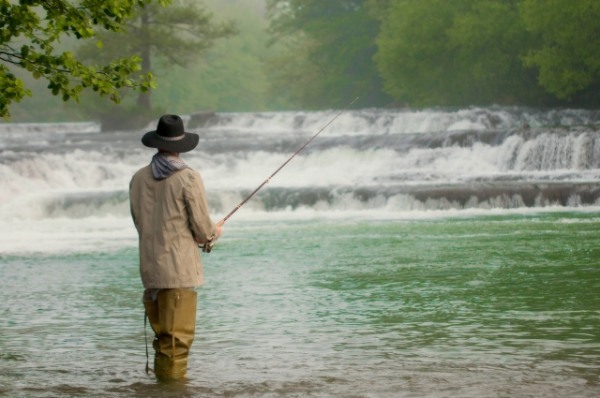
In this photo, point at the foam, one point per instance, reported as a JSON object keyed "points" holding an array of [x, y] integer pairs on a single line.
{"points": [[64, 186]]}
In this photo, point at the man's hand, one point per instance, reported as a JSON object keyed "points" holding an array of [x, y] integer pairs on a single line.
{"points": [[207, 246], [219, 227]]}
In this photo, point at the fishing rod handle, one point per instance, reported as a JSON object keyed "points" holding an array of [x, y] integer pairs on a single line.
{"points": [[207, 246]]}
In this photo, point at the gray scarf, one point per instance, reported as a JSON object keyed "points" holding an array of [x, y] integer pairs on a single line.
{"points": [[164, 164]]}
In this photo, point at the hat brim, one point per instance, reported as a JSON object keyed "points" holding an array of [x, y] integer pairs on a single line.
{"points": [[186, 144]]}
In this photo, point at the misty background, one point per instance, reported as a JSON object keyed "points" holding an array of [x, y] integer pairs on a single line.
{"points": [[307, 55]]}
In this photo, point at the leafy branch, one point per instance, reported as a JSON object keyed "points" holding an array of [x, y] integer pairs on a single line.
{"points": [[37, 25]]}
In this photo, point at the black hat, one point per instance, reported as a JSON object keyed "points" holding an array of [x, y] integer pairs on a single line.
{"points": [[170, 136]]}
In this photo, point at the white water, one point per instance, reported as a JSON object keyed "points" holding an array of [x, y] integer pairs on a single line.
{"points": [[64, 186]]}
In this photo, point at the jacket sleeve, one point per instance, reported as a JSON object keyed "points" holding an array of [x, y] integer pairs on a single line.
{"points": [[132, 199], [200, 223]]}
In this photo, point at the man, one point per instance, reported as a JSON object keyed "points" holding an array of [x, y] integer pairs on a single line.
{"points": [[170, 212]]}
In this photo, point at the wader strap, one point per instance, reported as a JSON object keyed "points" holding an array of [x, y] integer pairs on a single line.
{"points": [[146, 340], [177, 296]]}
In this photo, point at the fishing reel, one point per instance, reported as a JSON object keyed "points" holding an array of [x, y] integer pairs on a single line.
{"points": [[207, 247]]}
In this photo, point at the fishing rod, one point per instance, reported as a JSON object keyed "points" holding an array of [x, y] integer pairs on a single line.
{"points": [[208, 246]]}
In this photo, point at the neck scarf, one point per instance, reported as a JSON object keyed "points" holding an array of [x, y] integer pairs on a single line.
{"points": [[164, 164]]}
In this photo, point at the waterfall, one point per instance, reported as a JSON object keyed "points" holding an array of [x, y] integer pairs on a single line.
{"points": [[386, 161]]}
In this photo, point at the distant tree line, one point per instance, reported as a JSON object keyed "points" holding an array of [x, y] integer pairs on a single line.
{"points": [[438, 52], [79, 49], [257, 55]]}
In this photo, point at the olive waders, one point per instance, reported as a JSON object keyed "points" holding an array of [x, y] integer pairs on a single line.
{"points": [[172, 316]]}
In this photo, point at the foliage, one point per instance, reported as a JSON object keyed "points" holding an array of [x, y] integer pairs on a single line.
{"points": [[489, 42], [436, 52], [322, 54], [329, 45], [567, 53], [227, 79], [460, 53], [30, 37], [439, 52], [413, 54], [230, 76], [172, 37]]}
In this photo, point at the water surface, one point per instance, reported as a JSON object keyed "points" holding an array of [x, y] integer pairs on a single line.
{"points": [[485, 306]]}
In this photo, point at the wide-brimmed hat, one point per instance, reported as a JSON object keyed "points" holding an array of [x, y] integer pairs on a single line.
{"points": [[170, 136]]}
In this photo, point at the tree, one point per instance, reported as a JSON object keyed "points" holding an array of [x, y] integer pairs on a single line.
{"points": [[567, 52], [490, 42], [177, 35], [330, 45], [459, 53], [465, 52], [413, 56], [230, 76], [30, 36]]}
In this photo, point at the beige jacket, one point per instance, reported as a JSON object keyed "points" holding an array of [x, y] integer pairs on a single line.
{"points": [[168, 214]]}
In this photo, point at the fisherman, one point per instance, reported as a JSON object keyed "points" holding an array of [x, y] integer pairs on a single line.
{"points": [[170, 212]]}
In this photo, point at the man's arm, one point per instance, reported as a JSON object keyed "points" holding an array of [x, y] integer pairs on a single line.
{"points": [[200, 222]]}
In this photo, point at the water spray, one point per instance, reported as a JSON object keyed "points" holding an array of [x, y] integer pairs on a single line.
{"points": [[208, 245]]}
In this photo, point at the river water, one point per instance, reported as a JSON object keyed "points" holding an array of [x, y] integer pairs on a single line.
{"points": [[429, 253]]}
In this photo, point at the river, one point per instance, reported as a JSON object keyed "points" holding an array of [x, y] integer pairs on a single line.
{"points": [[429, 253]]}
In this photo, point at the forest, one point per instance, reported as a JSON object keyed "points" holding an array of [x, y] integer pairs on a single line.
{"points": [[269, 55]]}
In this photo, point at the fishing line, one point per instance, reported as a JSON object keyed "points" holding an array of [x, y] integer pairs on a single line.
{"points": [[208, 246]]}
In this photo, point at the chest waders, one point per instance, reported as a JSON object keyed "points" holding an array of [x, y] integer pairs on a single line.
{"points": [[172, 317]]}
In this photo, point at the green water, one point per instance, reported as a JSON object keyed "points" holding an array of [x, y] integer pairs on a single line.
{"points": [[495, 306]]}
